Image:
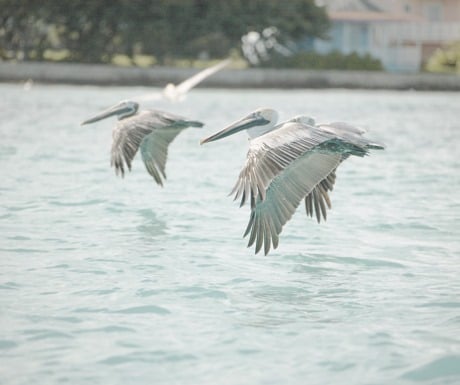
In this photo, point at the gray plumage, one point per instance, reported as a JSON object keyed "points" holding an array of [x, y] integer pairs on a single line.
{"points": [[286, 164], [150, 130]]}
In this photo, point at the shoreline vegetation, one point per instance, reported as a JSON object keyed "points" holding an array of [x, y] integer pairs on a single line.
{"points": [[158, 76]]}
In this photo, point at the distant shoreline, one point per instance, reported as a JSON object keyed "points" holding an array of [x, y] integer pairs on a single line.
{"points": [[106, 75]]}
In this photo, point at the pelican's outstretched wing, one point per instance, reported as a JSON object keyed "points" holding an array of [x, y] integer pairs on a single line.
{"points": [[318, 199], [154, 150], [283, 167], [154, 147], [270, 154], [284, 195], [177, 92], [126, 138], [186, 85], [139, 130], [350, 133]]}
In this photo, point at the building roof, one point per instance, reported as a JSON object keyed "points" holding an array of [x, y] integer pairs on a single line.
{"points": [[361, 10], [371, 16]]}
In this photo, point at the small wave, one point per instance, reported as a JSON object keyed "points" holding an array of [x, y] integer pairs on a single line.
{"points": [[193, 292], [88, 202], [320, 259], [107, 329], [7, 344], [10, 286], [151, 357], [91, 310], [7, 151], [441, 304], [153, 309], [41, 334], [22, 250]]}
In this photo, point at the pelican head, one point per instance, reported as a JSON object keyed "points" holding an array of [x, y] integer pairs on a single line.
{"points": [[123, 109], [256, 123]]}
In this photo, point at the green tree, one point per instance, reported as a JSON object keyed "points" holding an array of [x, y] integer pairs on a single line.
{"points": [[95, 30], [23, 32], [445, 60], [87, 29]]}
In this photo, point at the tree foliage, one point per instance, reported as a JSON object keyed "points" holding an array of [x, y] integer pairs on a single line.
{"points": [[331, 61], [96, 30], [445, 60]]}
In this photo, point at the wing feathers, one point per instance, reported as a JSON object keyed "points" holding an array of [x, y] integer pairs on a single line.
{"points": [[154, 151], [284, 195], [152, 131], [126, 140], [318, 198], [270, 154], [291, 163]]}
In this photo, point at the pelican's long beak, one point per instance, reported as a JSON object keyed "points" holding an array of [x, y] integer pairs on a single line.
{"points": [[114, 110], [243, 124]]}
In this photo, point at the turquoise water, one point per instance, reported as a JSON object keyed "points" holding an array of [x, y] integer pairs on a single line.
{"points": [[106, 280]]}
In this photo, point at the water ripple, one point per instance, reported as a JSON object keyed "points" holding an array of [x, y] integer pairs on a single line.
{"points": [[148, 357], [110, 280], [144, 309]]}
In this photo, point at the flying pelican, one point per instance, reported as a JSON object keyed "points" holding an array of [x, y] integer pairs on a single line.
{"points": [[287, 163], [151, 130], [176, 93]]}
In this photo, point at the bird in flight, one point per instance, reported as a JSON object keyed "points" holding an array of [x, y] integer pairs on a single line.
{"points": [[286, 164], [151, 130], [176, 93]]}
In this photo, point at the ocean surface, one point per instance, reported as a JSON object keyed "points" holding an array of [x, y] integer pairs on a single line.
{"points": [[107, 280]]}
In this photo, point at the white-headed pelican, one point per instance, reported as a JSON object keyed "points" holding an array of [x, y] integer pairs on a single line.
{"points": [[287, 163], [151, 130], [176, 93]]}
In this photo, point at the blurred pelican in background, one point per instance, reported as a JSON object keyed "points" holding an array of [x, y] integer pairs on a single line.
{"points": [[287, 163], [177, 93], [151, 130]]}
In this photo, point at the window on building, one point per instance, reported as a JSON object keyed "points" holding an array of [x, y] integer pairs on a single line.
{"points": [[433, 12]]}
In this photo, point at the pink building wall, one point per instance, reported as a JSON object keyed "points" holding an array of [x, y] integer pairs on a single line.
{"points": [[403, 34], [429, 10]]}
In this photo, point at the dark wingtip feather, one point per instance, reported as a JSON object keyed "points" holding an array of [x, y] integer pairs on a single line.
{"points": [[249, 226], [195, 123], [266, 246], [375, 146]]}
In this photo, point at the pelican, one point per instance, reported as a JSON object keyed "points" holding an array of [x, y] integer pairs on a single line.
{"points": [[176, 93], [286, 164], [151, 130]]}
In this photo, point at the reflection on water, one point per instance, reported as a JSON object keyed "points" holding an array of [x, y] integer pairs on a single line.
{"points": [[152, 226]]}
